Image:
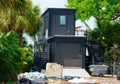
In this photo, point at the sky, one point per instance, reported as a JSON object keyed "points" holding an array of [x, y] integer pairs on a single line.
{"points": [[44, 4]]}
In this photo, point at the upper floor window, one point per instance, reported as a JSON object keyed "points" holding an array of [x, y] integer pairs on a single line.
{"points": [[46, 33], [62, 20]]}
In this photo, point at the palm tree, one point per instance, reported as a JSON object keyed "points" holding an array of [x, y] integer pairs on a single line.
{"points": [[11, 8], [31, 21], [20, 16]]}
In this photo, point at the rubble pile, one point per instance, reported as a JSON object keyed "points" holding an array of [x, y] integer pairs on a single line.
{"points": [[57, 74]]}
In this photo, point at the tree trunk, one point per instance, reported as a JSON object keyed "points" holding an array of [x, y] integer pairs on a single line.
{"points": [[20, 32], [5, 80]]}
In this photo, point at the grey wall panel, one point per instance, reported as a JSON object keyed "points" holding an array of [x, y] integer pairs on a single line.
{"points": [[69, 50], [69, 54], [52, 21]]}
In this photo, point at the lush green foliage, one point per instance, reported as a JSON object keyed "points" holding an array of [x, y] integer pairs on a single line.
{"points": [[27, 58], [100, 9], [107, 14], [112, 54], [16, 16], [10, 55], [13, 58], [19, 15], [107, 35]]}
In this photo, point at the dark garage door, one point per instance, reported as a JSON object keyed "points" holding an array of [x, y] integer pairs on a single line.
{"points": [[71, 54]]}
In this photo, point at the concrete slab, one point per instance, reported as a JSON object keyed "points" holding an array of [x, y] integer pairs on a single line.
{"points": [[75, 72]]}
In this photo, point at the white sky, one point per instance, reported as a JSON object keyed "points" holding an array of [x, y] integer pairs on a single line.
{"points": [[44, 4]]}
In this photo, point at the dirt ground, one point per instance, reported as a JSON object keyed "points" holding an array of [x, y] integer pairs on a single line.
{"points": [[100, 80], [106, 80]]}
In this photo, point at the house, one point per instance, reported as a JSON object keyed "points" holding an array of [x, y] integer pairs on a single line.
{"points": [[80, 32], [58, 41]]}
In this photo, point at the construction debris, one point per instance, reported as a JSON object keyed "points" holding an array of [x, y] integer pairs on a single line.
{"points": [[56, 74], [33, 77], [54, 70]]}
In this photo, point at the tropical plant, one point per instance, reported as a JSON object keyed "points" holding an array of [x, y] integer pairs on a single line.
{"points": [[27, 58], [13, 58], [10, 56], [107, 14], [100, 9], [20, 16]]}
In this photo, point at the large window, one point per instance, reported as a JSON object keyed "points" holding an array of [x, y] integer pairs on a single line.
{"points": [[62, 20]]}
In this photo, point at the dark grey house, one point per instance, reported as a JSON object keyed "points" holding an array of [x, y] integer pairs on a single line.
{"points": [[58, 21], [67, 50], [58, 41]]}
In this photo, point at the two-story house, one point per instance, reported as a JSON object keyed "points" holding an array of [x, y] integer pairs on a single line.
{"points": [[58, 41]]}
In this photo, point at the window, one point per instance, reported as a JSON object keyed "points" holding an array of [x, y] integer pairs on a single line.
{"points": [[46, 33], [62, 20]]}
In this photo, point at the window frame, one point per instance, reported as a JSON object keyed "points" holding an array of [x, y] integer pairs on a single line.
{"points": [[62, 20]]}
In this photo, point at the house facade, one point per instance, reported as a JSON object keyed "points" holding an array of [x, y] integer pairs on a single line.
{"points": [[57, 40]]}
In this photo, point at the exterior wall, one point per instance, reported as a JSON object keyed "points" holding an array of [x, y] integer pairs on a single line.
{"points": [[51, 21], [68, 51], [46, 23], [64, 47], [69, 54]]}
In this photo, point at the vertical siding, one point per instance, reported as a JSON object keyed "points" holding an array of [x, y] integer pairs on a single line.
{"points": [[51, 21], [54, 22], [61, 50], [66, 51]]}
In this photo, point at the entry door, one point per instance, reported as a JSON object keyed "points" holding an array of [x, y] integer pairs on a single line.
{"points": [[71, 54]]}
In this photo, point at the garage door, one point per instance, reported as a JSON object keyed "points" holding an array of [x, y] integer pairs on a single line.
{"points": [[71, 54]]}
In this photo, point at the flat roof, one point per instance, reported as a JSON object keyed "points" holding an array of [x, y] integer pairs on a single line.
{"points": [[57, 9], [65, 36]]}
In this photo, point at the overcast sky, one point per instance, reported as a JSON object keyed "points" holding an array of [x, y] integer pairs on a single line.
{"points": [[44, 4]]}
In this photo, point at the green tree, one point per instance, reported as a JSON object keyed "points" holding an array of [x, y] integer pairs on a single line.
{"points": [[20, 16], [10, 56], [9, 11], [14, 59], [107, 13], [100, 9], [27, 58], [107, 35]]}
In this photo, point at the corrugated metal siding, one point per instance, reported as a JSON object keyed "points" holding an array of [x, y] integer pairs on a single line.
{"points": [[55, 28], [69, 50], [73, 62], [69, 53], [65, 49], [64, 52]]}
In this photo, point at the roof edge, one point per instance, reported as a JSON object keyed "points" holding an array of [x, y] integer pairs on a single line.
{"points": [[57, 8]]}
